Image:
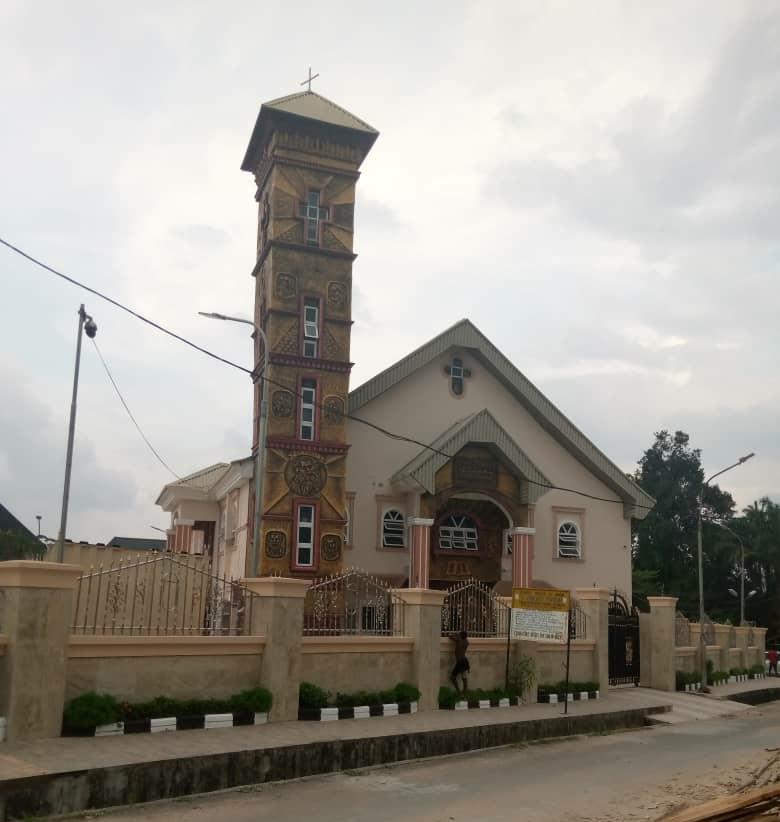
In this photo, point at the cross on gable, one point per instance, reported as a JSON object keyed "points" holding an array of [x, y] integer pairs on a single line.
{"points": [[457, 373], [307, 81]]}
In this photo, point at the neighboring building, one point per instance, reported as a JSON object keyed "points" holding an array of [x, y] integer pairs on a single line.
{"points": [[138, 543], [210, 514], [492, 454], [8, 522]]}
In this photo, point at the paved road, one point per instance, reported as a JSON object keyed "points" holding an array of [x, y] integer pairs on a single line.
{"points": [[628, 776]]}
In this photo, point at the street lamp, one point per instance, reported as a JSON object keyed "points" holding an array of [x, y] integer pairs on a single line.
{"points": [[263, 433], [741, 570], [702, 639], [86, 323]]}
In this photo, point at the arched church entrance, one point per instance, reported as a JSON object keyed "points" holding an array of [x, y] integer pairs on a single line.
{"points": [[467, 540]]}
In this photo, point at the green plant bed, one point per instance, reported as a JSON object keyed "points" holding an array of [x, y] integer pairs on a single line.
{"points": [[90, 710], [312, 697]]}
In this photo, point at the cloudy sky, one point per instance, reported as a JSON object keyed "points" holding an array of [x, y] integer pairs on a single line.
{"points": [[596, 185]]}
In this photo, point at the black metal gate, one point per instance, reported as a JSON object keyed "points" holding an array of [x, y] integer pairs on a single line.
{"points": [[623, 642]]}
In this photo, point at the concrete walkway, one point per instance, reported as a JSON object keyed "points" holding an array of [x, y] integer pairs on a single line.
{"points": [[70, 774]]}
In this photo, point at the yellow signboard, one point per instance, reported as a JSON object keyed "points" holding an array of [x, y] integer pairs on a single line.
{"points": [[540, 614], [540, 599]]}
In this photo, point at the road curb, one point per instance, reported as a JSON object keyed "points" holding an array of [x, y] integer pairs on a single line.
{"points": [[80, 790]]}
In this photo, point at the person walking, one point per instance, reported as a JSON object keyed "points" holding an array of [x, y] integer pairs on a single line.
{"points": [[462, 667], [772, 657]]}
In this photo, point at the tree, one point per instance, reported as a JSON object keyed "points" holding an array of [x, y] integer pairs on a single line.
{"points": [[16, 545], [665, 540], [759, 528]]}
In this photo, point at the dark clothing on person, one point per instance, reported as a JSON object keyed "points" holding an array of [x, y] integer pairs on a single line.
{"points": [[772, 657], [462, 667]]}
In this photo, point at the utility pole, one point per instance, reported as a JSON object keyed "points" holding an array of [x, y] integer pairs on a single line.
{"points": [[86, 323]]}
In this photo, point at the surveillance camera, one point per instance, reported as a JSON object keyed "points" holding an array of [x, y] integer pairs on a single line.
{"points": [[90, 326]]}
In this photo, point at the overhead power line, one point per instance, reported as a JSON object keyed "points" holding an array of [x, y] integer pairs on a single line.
{"points": [[384, 431], [130, 413]]}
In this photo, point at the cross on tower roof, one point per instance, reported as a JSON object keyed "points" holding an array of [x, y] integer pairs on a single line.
{"points": [[307, 81]]}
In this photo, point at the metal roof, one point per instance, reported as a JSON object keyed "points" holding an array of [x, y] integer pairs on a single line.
{"points": [[465, 335], [316, 107], [477, 428]]}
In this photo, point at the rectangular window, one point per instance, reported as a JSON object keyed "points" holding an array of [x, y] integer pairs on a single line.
{"points": [[311, 326], [312, 212], [308, 405], [304, 543]]}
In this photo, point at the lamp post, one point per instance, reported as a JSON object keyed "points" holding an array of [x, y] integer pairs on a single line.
{"points": [[702, 639], [741, 570], [260, 462], [86, 323]]}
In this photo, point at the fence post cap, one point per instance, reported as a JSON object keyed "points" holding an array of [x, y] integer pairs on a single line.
{"points": [[28, 573], [582, 594], [662, 602], [420, 596]]}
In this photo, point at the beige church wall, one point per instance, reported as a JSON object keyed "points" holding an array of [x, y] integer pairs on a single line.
{"points": [[421, 407], [339, 664], [198, 510], [140, 668], [487, 658], [551, 662], [231, 557]]}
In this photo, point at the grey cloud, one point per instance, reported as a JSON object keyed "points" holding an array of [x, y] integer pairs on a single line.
{"points": [[33, 455], [679, 175]]}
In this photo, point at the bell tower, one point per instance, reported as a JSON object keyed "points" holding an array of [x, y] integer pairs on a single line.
{"points": [[305, 153]]}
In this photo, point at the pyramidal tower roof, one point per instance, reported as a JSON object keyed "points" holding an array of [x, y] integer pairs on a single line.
{"points": [[316, 107], [315, 112]]}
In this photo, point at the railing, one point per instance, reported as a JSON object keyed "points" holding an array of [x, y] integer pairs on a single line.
{"points": [[682, 631], [351, 603], [472, 606], [163, 595]]}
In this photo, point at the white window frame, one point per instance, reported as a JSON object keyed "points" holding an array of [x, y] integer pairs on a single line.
{"points": [[302, 544], [314, 213], [311, 326], [393, 528], [569, 540], [307, 428], [456, 535]]}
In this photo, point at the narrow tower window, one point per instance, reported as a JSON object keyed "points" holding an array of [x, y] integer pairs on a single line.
{"points": [[304, 543], [308, 404], [311, 326], [313, 213]]}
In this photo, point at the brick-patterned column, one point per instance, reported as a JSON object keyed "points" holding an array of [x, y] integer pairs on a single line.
{"points": [[522, 556], [419, 551], [183, 535]]}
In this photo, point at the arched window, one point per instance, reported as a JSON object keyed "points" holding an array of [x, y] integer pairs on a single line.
{"points": [[393, 529], [569, 542], [458, 532]]}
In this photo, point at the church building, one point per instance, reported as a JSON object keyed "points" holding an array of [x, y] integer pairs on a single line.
{"points": [[488, 480]]}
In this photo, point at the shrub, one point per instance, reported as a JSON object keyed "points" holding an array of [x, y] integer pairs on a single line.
{"points": [[447, 697], [312, 696], [253, 701], [90, 710], [758, 668], [404, 692], [522, 676]]}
